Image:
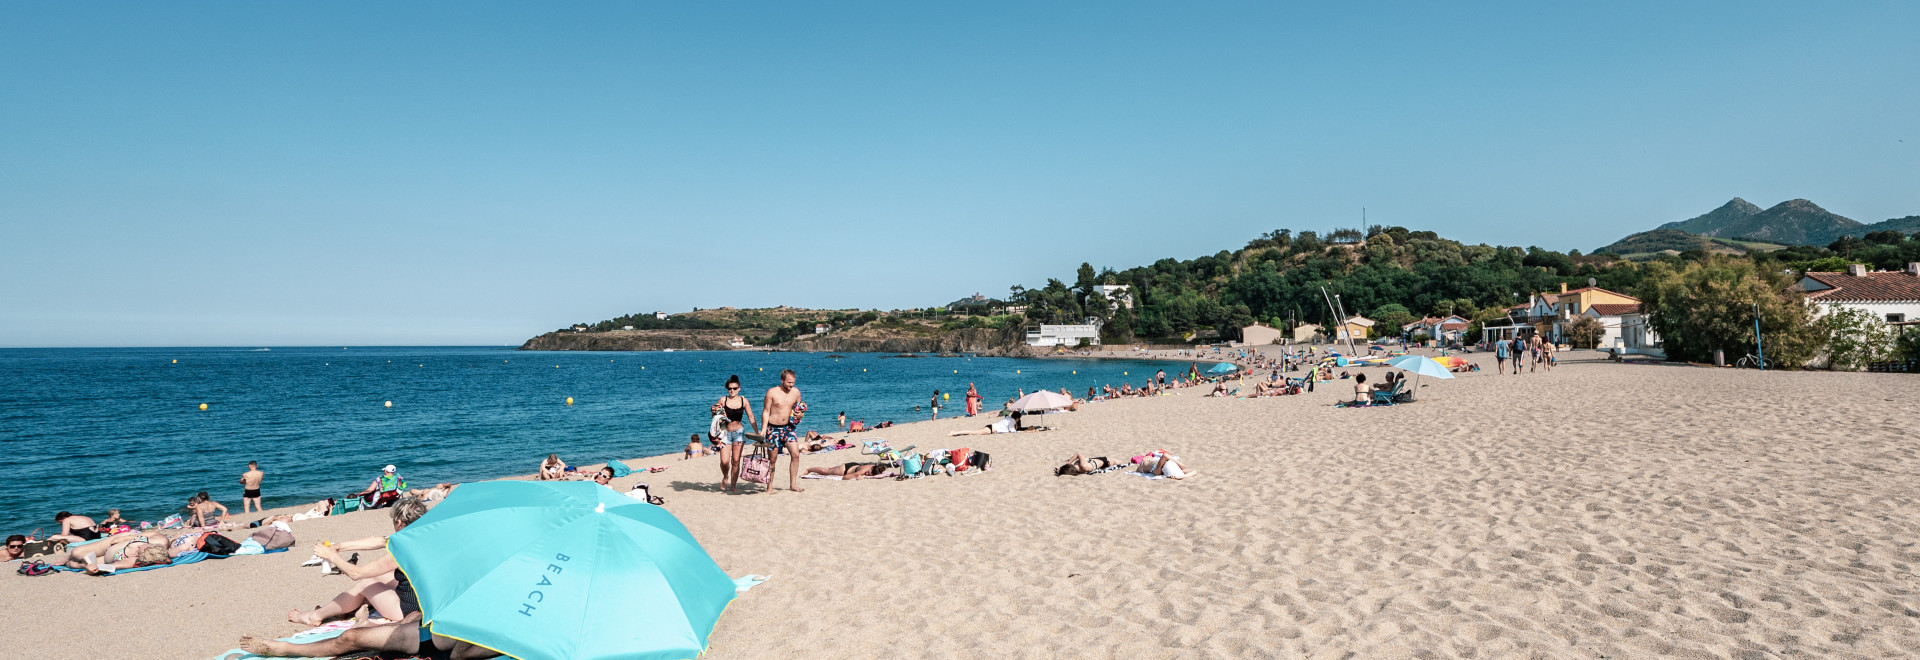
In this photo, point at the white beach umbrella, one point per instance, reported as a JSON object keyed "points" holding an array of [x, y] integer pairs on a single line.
{"points": [[1042, 401]]}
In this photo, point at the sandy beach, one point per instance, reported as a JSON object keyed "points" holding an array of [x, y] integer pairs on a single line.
{"points": [[1597, 511]]}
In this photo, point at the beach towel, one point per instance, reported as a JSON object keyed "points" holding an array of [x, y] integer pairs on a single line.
{"points": [[743, 583], [619, 469], [182, 560], [310, 636], [828, 477]]}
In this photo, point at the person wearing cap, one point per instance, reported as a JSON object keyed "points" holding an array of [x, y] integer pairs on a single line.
{"points": [[384, 490]]}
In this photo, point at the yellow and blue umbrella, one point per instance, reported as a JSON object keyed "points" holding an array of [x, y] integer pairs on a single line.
{"points": [[571, 569]]}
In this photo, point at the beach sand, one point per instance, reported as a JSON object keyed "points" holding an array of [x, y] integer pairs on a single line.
{"points": [[1600, 510]]}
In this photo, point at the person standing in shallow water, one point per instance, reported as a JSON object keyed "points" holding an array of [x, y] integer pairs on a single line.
{"points": [[934, 403], [778, 423], [733, 435]]}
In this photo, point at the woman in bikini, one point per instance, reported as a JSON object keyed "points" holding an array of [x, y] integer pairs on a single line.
{"points": [[1079, 465], [120, 551], [733, 436], [849, 471]]}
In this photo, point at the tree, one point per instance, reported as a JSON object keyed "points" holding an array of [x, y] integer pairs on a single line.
{"points": [[1586, 332], [1392, 316], [1856, 338], [1709, 305]]}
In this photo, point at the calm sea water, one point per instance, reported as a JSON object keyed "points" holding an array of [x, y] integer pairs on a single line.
{"points": [[87, 429]]}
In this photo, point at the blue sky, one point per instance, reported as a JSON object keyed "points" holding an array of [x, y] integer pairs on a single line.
{"points": [[464, 173]]}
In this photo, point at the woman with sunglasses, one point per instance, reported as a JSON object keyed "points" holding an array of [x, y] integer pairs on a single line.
{"points": [[733, 436]]}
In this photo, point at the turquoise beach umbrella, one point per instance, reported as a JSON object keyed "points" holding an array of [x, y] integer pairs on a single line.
{"points": [[572, 569], [1223, 368]]}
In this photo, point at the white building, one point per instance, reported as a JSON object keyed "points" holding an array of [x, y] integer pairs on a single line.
{"points": [[626, 327], [1116, 294], [1260, 334], [1891, 296], [1063, 335], [821, 328], [660, 316]]}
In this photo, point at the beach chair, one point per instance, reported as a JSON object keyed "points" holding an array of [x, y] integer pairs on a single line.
{"points": [[1385, 397]]}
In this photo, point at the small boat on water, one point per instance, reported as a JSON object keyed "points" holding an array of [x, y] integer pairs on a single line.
{"points": [[666, 350]]}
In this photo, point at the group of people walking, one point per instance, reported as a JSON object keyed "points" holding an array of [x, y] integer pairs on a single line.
{"points": [[1520, 351]]}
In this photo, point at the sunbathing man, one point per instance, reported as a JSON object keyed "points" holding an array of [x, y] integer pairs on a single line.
{"points": [[74, 528], [119, 551], [438, 492], [850, 471], [1002, 425], [407, 635], [16, 548]]}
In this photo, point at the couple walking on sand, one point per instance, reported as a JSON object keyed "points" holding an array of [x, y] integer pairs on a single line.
{"points": [[779, 420]]}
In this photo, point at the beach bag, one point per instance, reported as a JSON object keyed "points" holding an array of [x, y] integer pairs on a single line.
{"points": [[757, 467], [39, 549], [910, 465], [215, 544], [272, 538], [619, 469]]}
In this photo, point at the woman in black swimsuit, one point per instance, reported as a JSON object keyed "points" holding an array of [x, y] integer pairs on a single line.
{"points": [[733, 435]]}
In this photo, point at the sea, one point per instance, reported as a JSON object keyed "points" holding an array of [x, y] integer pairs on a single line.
{"points": [[85, 430]]}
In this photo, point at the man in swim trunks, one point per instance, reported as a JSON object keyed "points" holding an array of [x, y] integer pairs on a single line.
{"points": [[778, 425], [250, 483], [74, 529]]}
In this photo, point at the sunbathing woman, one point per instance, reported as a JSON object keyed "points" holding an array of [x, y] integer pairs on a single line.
{"points": [[406, 635], [117, 552], [1079, 465], [1164, 464], [850, 470]]}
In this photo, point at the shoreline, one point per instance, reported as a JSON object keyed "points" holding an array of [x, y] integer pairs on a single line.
{"points": [[1706, 525]]}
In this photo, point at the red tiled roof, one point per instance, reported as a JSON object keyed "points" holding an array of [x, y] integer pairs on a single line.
{"points": [[1614, 309], [1876, 286], [1454, 325]]}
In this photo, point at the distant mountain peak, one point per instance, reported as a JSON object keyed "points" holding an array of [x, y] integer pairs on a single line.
{"points": [[1733, 211]]}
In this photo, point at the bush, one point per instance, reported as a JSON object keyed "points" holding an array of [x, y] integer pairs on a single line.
{"points": [[1856, 338], [1586, 332], [1706, 305]]}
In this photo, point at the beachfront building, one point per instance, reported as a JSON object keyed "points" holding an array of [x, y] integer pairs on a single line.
{"points": [[1260, 335], [1063, 335], [1116, 294], [738, 342], [1891, 296], [1355, 328], [1635, 336], [1449, 330], [1515, 325], [1307, 332], [1559, 310]]}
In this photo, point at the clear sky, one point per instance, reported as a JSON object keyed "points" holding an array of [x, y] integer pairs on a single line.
{"points": [[466, 173]]}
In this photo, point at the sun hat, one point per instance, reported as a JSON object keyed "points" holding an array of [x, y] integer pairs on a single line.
{"points": [[389, 469]]}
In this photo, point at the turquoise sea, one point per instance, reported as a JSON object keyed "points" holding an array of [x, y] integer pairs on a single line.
{"points": [[84, 430]]}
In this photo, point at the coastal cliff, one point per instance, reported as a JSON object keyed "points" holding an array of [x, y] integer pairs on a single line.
{"points": [[1007, 342], [633, 340]]}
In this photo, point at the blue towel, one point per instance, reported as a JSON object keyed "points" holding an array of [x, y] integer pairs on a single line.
{"points": [[743, 583], [619, 469], [182, 560]]}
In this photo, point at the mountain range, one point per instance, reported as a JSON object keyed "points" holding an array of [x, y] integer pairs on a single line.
{"points": [[1739, 226]]}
